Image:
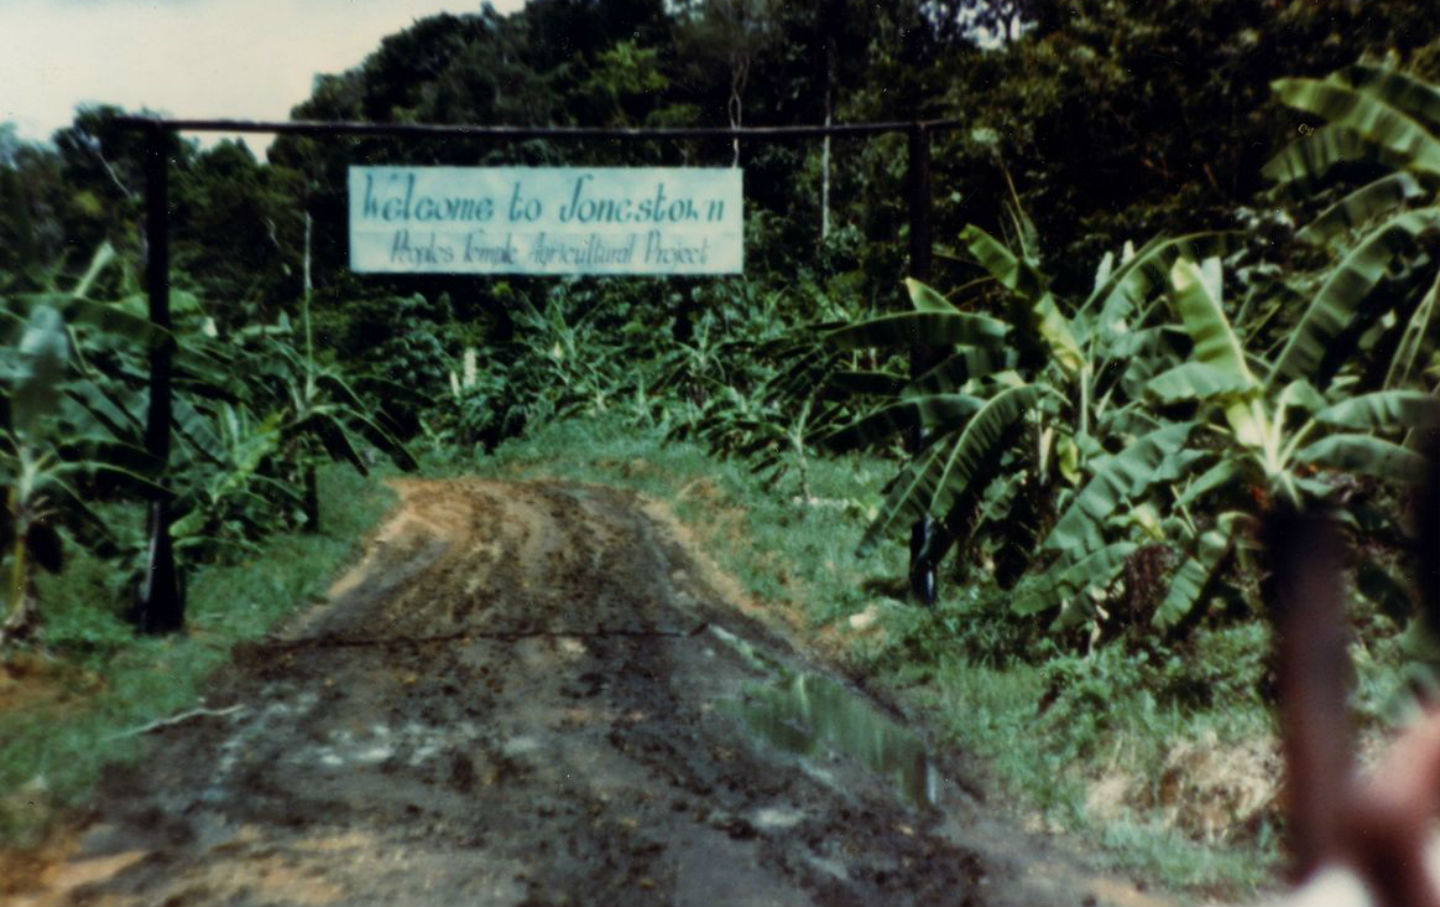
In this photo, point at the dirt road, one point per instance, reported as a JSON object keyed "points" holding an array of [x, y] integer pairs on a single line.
{"points": [[535, 694]]}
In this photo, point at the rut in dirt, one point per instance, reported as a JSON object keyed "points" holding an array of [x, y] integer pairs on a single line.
{"points": [[525, 694]]}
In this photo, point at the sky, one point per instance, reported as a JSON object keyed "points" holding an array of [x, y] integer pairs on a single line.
{"points": [[230, 59]]}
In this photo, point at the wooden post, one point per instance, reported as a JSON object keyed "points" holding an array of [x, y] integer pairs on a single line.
{"points": [[159, 608], [922, 355]]}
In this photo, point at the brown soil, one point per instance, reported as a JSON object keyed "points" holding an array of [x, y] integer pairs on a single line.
{"points": [[517, 697]]}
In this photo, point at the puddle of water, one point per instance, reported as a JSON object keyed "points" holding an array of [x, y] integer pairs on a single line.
{"points": [[806, 714]]}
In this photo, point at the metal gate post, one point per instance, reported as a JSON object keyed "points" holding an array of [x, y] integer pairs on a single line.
{"points": [[159, 607], [922, 355]]}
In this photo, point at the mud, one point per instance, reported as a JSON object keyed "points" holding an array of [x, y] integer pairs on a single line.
{"points": [[527, 694]]}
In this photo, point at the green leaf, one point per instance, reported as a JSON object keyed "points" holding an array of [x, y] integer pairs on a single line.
{"points": [[1196, 381], [1382, 196], [926, 299], [1367, 116], [1196, 298], [1194, 577], [1403, 92], [194, 427], [1061, 581], [114, 321], [1407, 352], [1022, 277], [1149, 271], [42, 358], [382, 439], [951, 374], [1366, 455], [1303, 163], [1217, 476], [944, 470], [1014, 273], [1203, 316], [1381, 410], [337, 442], [1299, 393], [1345, 289], [1118, 480]]}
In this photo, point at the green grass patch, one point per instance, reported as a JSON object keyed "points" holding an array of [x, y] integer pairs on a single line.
{"points": [[97, 680]]}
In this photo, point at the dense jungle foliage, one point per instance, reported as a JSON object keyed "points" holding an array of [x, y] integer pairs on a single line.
{"points": [[1187, 270]]}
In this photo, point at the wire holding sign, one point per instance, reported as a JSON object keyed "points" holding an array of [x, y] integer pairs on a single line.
{"points": [[558, 220]]}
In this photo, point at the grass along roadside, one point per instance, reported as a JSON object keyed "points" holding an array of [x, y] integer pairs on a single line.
{"points": [[74, 703], [1165, 758]]}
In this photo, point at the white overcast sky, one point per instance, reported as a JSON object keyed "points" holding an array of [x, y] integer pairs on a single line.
{"points": [[240, 59]]}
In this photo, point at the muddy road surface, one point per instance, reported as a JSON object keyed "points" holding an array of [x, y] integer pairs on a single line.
{"points": [[535, 694]]}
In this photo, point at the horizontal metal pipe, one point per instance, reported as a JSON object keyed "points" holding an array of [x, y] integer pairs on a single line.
{"points": [[520, 133]]}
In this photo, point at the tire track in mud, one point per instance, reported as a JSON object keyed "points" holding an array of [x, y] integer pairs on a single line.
{"points": [[514, 699]]}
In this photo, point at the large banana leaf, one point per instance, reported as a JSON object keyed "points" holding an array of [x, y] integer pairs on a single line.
{"points": [[1148, 271], [1217, 476], [933, 328], [1380, 197], [1196, 298], [196, 429], [1367, 455], [1381, 410], [1196, 381], [907, 497], [1343, 292], [87, 452], [951, 374], [1403, 92], [382, 439], [1152, 342], [1009, 270], [38, 370], [101, 403], [336, 440], [1120, 479], [1407, 353], [1197, 301], [926, 299], [1305, 161], [1366, 115], [932, 483], [1066, 579], [941, 412], [1194, 577], [1021, 277], [122, 412]]}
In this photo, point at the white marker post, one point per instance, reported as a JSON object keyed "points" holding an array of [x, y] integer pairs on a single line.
{"points": [[557, 220]]}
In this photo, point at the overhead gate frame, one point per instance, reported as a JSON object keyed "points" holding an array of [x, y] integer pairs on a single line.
{"points": [[160, 607]]}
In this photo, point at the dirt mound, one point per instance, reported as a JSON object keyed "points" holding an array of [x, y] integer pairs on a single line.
{"points": [[519, 696]]}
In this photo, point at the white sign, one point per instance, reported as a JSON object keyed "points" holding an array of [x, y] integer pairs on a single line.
{"points": [[549, 220]]}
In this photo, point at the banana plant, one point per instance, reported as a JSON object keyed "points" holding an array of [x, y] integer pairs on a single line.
{"points": [[313, 412], [1278, 438], [45, 462], [1020, 408], [1376, 233]]}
